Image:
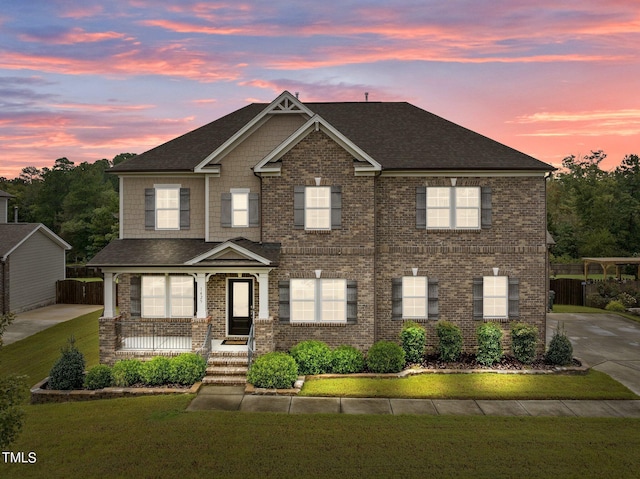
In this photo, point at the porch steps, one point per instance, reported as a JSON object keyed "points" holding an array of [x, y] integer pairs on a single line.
{"points": [[227, 368]]}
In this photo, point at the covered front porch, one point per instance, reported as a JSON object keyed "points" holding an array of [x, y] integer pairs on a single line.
{"points": [[213, 301]]}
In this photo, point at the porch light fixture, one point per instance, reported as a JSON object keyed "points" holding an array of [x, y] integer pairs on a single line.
{"points": [[495, 271], [318, 273]]}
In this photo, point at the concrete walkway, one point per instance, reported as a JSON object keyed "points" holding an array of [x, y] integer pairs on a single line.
{"points": [[36, 320], [606, 342], [232, 398]]}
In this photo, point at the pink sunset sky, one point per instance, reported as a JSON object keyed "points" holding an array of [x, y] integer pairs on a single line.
{"points": [[90, 79]]}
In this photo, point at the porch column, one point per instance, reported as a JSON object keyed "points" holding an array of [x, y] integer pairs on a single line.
{"points": [[109, 306], [263, 282], [201, 302]]}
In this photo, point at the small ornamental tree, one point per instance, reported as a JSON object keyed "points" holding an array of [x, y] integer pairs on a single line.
{"points": [[68, 371], [12, 392]]}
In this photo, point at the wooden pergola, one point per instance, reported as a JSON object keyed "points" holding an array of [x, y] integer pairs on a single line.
{"points": [[605, 263]]}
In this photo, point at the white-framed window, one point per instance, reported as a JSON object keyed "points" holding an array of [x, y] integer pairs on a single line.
{"points": [[318, 300], [453, 207], [167, 207], [239, 208], [495, 297], [167, 296], [414, 297], [317, 208]]}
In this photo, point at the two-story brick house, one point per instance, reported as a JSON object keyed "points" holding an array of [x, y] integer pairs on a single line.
{"points": [[329, 221]]}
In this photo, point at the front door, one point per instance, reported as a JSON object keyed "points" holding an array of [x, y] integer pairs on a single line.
{"points": [[240, 305]]}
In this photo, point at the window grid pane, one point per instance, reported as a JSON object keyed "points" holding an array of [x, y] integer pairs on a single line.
{"points": [[414, 297], [495, 292], [467, 207], [167, 208], [303, 292], [181, 296], [317, 206], [153, 296], [438, 207], [240, 208]]}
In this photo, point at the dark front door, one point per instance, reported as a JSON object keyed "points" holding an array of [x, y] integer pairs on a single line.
{"points": [[240, 304]]}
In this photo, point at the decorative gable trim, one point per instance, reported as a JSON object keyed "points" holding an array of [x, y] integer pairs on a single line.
{"points": [[225, 248], [286, 103], [317, 123]]}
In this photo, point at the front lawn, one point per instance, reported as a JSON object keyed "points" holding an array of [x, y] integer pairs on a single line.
{"points": [[155, 437], [594, 385]]}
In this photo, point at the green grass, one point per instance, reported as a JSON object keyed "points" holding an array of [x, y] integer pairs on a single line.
{"points": [[155, 437], [594, 276], [594, 385], [35, 355], [567, 308]]}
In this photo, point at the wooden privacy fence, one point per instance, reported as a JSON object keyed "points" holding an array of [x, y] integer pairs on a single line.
{"points": [[568, 291], [70, 291]]}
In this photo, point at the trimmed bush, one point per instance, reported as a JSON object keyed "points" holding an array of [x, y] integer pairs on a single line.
{"points": [[413, 339], [68, 371], [595, 300], [98, 377], [273, 370], [489, 344], [346, 360], [126, 372], [156, 371], [524, 340], [449, 341], [187, 369], [312, 357], [615, 306], [560, 350], [385, 357]]}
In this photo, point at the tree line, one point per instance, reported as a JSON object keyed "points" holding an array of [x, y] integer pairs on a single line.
{"points": [[590, 211], [77, 202]]}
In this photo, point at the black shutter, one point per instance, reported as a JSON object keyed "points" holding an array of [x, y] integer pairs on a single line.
{"points": [[514, 298], [254, 209], [352, 301], [149, 208], [336, 207], [285, 315], [298, 207], [485, 213], [135, 304], [421, 207], [396, 298], [225, 210], [185, 214], [478, 298], [432, 299]]}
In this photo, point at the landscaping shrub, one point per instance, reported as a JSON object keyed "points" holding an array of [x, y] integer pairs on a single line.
{"points": [[273, 370], [524, 340], [187, 369], [346, 359], [449, 341], [312, 357], [126, 372], [595, 300], [413, 338], [68, 371], [385, 357], [98, 377], [156, 371], [560, 351], [489, 344], [627, 299], [615, 306]]}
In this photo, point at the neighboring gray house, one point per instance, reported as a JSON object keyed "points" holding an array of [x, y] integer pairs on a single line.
{"points": [[32, 259]]}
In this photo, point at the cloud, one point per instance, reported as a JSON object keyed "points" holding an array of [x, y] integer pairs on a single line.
{"points": [[71, 36]]}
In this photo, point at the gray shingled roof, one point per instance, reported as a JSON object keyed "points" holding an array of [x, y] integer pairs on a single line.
{"points": [[171, 252], [397, 135], [4, 194]]}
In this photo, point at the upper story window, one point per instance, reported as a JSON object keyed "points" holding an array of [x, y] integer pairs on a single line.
{"points": [[461, 207], [317, 208], [239, 209], [167, 207]]}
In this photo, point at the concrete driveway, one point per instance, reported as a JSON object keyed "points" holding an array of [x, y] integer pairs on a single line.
{"points": [[31, 322], [606, 342]]}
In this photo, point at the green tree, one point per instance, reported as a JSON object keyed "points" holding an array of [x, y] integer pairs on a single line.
{"points": [[12, 393]]}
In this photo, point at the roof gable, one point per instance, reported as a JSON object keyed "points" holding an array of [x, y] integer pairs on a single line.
{"points": [[13, 235]]}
